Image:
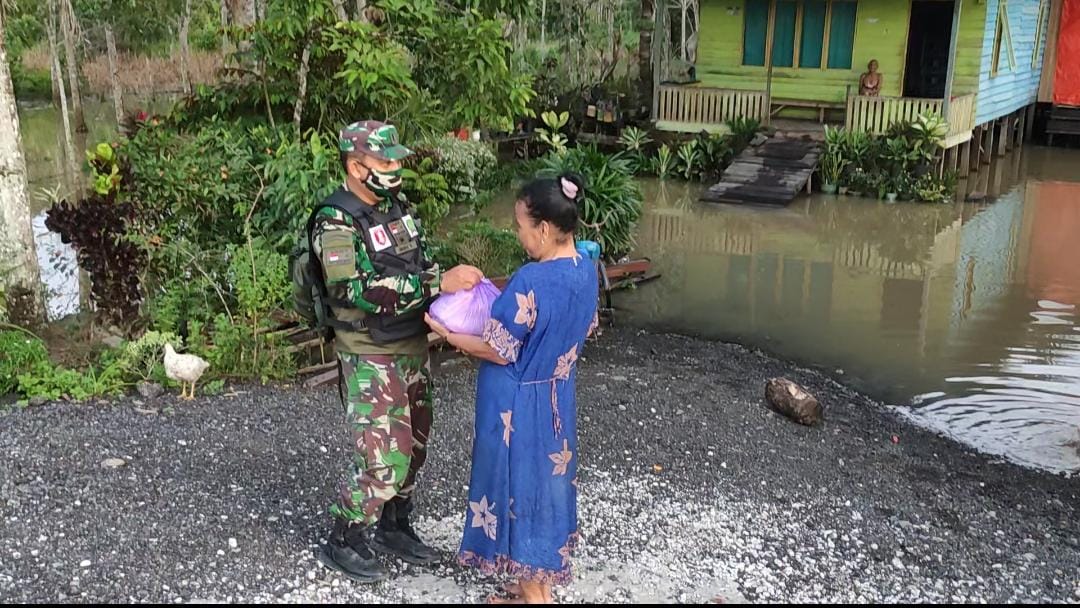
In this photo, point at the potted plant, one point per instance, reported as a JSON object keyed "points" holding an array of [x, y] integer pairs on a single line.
{"points": [[833, 161]]}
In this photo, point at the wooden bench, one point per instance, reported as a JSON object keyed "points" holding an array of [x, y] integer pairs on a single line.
{"points": [[779, 105], [512, 139]]}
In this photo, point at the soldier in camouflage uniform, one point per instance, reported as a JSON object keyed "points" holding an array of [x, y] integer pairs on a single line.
{"points": [[379, 282]]}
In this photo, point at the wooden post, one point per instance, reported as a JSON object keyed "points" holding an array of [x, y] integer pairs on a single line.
{"points": [[951, 71], [976, 143], [770, 33], [655, 61], [965, 158], [1029, 122], [1003, 136], [1021, 116], [988, 143]]}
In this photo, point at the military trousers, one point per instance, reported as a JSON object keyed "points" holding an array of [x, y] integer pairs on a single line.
{"points": [[388, 404]]}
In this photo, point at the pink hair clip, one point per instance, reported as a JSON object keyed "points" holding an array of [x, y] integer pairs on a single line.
{"points": [[569, 188]]}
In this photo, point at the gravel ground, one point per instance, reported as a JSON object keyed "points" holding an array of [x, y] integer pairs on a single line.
{"points": [[691, 491]]}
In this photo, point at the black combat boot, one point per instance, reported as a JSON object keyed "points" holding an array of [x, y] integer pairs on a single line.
{"points": [[348, 550], [395, 536]]}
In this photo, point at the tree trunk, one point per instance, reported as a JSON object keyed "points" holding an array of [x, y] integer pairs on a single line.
{"points": [[682, 33], [69, 25], [185, 50], [69, 146], [543, 22], [298, 111], [56, 75], [21, 275], [242, 13], [339, 8], [114, 76], [224, 27], [645, 42]]}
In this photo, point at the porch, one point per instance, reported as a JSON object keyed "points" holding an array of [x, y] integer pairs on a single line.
{"points": [[692, 109]]}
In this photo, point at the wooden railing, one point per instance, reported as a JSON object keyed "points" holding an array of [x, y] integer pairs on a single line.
{"points": [[961, 120], [683, 107], [876, 114]]}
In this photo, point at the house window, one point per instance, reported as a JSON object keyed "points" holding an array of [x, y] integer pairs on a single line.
{"points": [[1002, 41], [809, 34], [1040, 32]]}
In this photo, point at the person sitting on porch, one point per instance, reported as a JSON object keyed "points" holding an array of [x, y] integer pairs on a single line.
{"points": [[870, 81]]}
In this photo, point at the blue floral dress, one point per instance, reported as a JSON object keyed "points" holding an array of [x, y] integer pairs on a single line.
{"points": [[522, 512]]}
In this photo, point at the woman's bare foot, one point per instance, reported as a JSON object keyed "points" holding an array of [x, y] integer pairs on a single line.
{"points": [[527, 593]]}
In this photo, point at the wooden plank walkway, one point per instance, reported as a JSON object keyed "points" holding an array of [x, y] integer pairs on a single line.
{"points": [[772, 173]]}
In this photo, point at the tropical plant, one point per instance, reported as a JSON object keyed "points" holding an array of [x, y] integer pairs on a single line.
{"points": [[664, 163], [429, 191], [551, 135], [832, 167], [743, 130], [612, 202], [634, 139], [104, 168], [833, 161], [689, 157], [715, 154]]}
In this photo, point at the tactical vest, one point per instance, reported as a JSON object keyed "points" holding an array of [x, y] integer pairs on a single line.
{"points": [[392, 243]]}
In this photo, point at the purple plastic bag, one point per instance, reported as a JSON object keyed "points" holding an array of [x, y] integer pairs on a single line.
{"points": [[466, 311]]}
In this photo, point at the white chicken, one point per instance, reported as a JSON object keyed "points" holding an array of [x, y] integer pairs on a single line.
{"points": [[184, 369]]}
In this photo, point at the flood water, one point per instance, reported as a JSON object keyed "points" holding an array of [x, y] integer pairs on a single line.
{"points": [[964, 314]]}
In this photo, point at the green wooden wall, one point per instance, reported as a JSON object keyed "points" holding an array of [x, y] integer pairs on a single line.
{"points": [[880, 33]]}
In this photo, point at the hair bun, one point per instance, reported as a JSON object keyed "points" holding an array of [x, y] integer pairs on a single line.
{"points": [[572, 187]]}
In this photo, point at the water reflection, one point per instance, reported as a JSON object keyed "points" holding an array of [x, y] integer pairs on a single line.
{"points": [[967, 311], [59, 271]]}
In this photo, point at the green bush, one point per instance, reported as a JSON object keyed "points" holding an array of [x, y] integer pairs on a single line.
{"points": [[19, 353], [495, 251], [31, 84], [613, 199], [52, 382], [468, 166], [428, 191], [141, 360]]}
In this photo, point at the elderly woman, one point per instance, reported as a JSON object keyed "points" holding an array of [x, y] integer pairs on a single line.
{"points": [[522, 514]]}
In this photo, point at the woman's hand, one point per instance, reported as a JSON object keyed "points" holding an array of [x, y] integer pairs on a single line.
{"points": [[436, 327], [461, 277]]}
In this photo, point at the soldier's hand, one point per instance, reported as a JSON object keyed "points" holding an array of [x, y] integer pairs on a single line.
{"points": [[461, 277]]}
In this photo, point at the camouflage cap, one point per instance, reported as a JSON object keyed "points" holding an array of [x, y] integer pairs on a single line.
{"points": [[372, 137]]}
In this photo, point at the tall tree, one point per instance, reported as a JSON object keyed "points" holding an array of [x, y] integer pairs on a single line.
{"points": [[65, 114], [339, 10], [185, 50], [224, 28], [114, 75], [241, 13], [69, 25], [23, 279]]}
